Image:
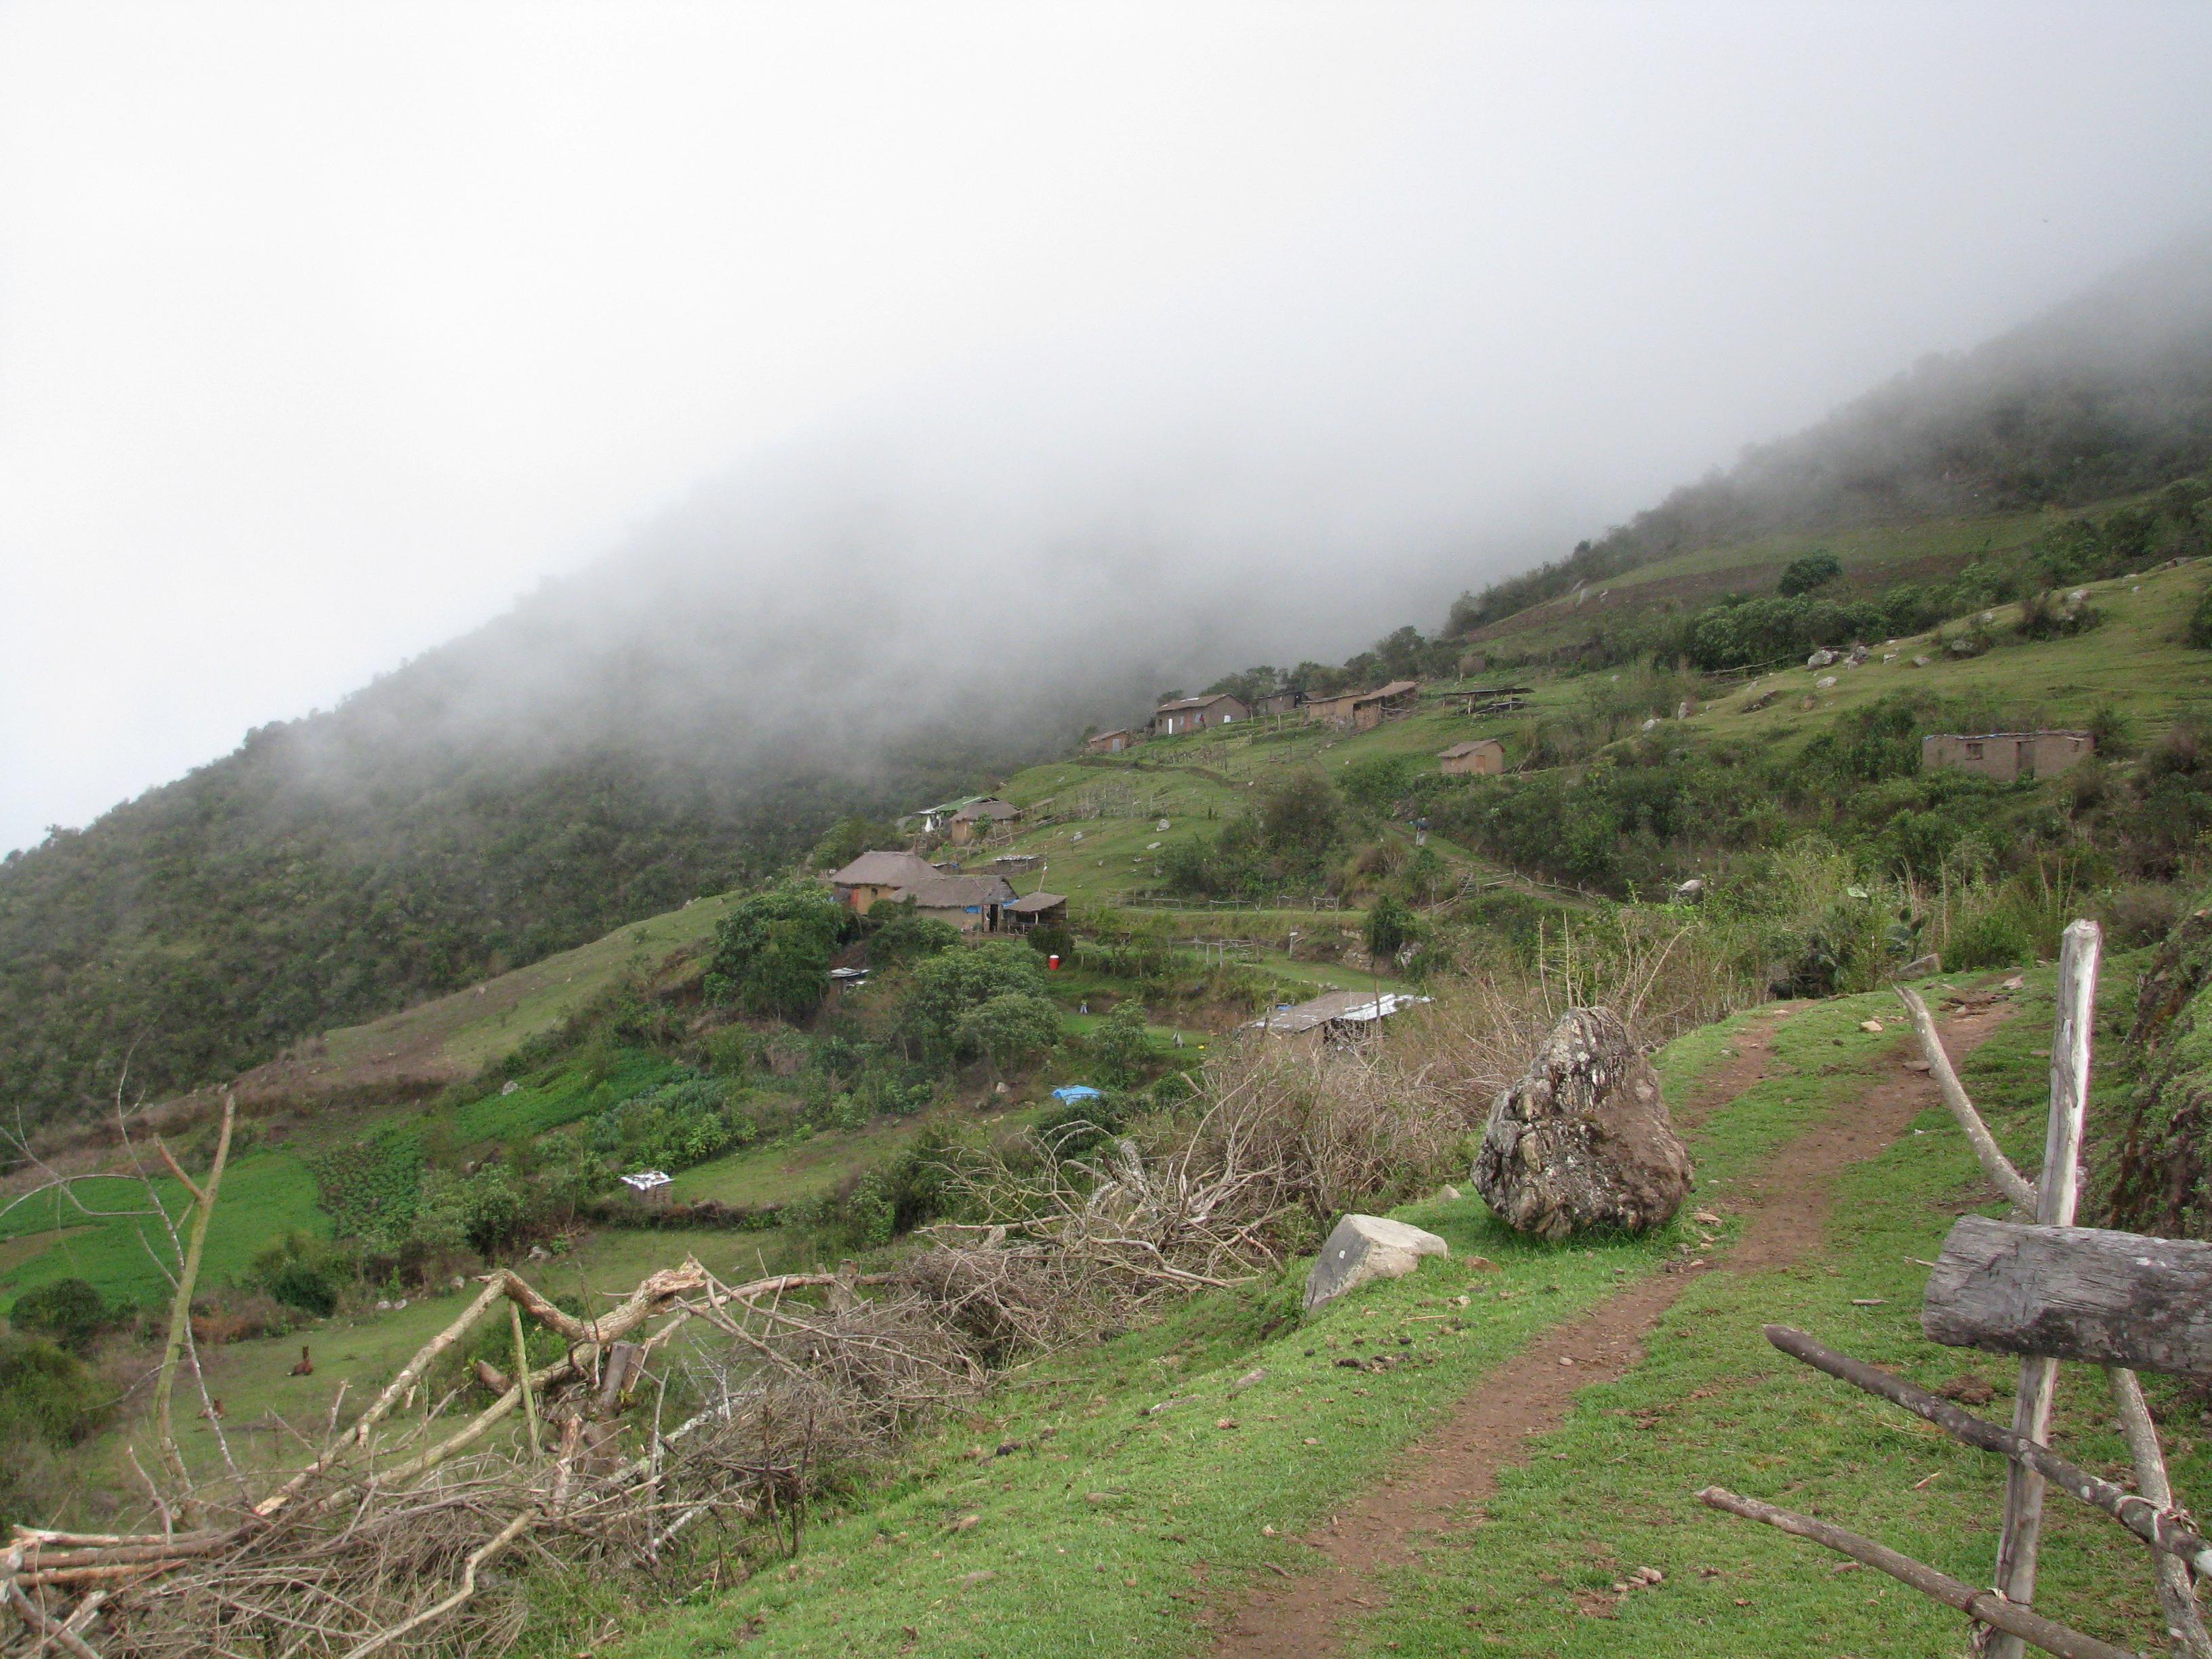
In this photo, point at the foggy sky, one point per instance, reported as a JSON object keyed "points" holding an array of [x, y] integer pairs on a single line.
{"points": [[324, 331]]}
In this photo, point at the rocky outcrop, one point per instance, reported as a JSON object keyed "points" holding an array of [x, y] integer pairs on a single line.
{"points": [[1582, 1140], [1364, 1247]]}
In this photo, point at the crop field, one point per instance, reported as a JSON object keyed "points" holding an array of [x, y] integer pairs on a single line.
{"points": [[266, 1194]]}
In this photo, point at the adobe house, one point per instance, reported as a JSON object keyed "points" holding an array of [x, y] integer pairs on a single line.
{"points": [[2007, 755], [973, 904], [1110, 742], [977, 817], [874, 876], [1279, 703], [1036, 910], [1195, 714], [1478, 755], [1362, 711]]}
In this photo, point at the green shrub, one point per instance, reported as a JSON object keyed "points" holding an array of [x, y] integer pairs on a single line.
{"points": [[49, 1394], [1120, 1048], [1997, 937], [69, 1311], [900, 936], [944, 989], [1814, 570]]}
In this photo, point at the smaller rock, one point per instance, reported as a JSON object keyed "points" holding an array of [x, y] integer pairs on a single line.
{"points": [[1871, 1025], [1448, 1195], [512, 1086], [1690, 891], [1920, 662], [1824, 683], [1366, 1248], [1820, 659], [1921, 967]]}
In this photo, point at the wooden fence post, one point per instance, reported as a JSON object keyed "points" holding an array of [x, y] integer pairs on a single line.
{"points": [[2058, 1191]]}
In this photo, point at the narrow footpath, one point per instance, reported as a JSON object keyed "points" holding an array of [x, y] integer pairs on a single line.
{"points": [[1784, 1205]]}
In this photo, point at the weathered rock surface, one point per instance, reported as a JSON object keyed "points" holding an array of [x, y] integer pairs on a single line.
{"points": [[1364, 1248], [1582, 1140]]}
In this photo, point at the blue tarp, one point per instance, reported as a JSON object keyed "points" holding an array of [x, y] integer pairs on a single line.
{"points": [[1071, 1092]]}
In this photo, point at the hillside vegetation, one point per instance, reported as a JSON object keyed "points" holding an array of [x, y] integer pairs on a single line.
{"points": [[468, 980]]}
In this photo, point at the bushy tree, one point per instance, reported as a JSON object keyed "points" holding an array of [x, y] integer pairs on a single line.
{"points": [[1008, 1030], [1120, 1048], [772, 953], [1391, 926], [69, 1311], [944, 988], [1815, 570]]}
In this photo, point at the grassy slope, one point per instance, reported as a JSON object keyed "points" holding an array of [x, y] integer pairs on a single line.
{"points": [[2136, 661], [1182, 1503], [454, 1037], [265, 1196], [1872, 557]]}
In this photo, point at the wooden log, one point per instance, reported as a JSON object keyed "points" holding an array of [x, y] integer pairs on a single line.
{"points": [[2074, 1293], [2057, 1189], [2158, 1525], [1984, 1605]]}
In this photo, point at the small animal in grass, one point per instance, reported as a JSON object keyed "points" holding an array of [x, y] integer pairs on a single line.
{"points": [[306, 1365], [212, 1410]]}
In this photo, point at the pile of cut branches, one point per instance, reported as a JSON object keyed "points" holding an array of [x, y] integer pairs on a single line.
{"points": [[386, 1534]]}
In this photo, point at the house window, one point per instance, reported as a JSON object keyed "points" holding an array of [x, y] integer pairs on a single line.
{"points": [[1973, 751]]}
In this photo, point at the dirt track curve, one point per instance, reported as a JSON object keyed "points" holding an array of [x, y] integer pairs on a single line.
{"points": [[1785, 1205]]}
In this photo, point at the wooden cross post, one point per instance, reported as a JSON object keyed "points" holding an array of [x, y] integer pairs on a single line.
{"points": [[2057, 1192]]}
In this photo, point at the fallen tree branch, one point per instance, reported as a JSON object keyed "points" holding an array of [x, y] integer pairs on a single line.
{"points": [[1986, 1606]]}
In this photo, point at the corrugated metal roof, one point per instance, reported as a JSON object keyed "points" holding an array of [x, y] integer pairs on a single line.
{"points": [[1352, 1006]]}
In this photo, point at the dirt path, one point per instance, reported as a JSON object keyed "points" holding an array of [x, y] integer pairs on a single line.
{"points": [[1786, 1204]]}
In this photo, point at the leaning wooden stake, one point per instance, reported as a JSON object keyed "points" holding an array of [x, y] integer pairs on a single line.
{"points": [[180, 1306], [2014, 1623], [2057, 1191], [522, 1373], [2018, 1189], [2176, 1590]]}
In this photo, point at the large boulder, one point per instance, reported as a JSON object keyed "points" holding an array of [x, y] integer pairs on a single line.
{"points": [[1364, 1247], [1582, 1140]]}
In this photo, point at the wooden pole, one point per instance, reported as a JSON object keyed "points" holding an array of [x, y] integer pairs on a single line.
{"points": [[2012, 1623], [2057, 1191], [522, 1376]]}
